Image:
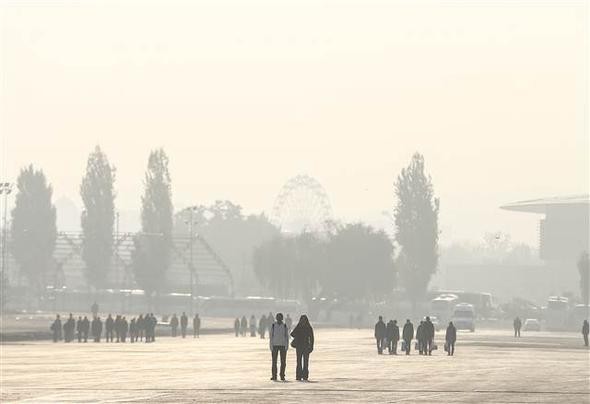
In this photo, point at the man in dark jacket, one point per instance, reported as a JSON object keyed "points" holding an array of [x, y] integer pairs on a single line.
{"points": [[517, 324], [96, 328], [237, 326], [380, 335], [109, 325], [408, 335], [392, 336], [79, 328], [262, 326], [428, 336], [183, 324], [124, 328], [174, 325], [85, 328], [450, 338], [56, 329], [420, 337], [585, 330]]}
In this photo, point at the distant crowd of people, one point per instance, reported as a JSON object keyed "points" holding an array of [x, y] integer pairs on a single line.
{"points": [[387, 337], [116, 329], [243, 327]]}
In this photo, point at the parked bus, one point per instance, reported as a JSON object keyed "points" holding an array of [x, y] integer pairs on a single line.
{"points": [[442, 307]]}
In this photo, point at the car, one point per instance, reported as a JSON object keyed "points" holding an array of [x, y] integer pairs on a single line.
{"points": [[531, 324]]}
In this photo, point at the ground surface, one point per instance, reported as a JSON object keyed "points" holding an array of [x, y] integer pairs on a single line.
{"points": [[489, 366]]}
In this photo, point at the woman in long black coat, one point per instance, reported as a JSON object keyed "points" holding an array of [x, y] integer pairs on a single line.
{"points": [[303, 343]]}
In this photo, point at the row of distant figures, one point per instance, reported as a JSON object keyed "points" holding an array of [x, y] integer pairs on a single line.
{"points": [[118, 329], [253, 326]]}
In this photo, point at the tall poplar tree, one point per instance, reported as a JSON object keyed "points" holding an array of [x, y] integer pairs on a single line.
{"points": [[416, 221], [153, 246], [33, 229], [98, 196]]}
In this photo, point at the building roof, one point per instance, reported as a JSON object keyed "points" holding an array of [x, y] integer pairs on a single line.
{"points": [[541, 205]]}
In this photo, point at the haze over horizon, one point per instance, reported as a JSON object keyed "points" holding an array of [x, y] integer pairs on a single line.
{"points": [[242, 98]]}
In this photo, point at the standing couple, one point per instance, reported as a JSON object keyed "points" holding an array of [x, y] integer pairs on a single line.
{"points": [[302, 342]]}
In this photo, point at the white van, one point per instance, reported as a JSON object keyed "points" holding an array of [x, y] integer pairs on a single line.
{"points": [[464, 317]]}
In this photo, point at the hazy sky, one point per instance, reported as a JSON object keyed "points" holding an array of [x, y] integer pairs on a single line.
{"points": [[243, 97]]}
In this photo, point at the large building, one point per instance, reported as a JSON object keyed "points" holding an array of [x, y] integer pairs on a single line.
{"points": [[564, 229], [564, 234]]}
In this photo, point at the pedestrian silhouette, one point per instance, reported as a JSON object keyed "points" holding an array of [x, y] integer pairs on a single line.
{"points": [[408, 335], [278, 344], [174, 325], [585, 330], [517, 326], [244, 326], [56, 329], [262, 326], [303, 341], [196, 326], [392, 336], [450, 338], [183, 324], [237, 326], [252, 326], [96, 328], [380, 335]]}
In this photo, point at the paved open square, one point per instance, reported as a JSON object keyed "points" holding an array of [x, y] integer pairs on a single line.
{"points": [[489, 366]]}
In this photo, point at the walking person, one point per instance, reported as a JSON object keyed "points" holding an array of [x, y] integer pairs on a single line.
{"points": [[408, 335], [262, 326], [303, 343], [517, 324], [96, 328], [380, 335], [279, 344], [391, 337], [253, 326], [450, 338], [428, 336], [79, 328], [109, 324], [237, 326], [118, 327], [288, 321], [174, 325], [244, 326], [133, 330], [124, 329], [585, 330], [420, 337], [56, 329], [196, 326], [183, 324], [85, 328]]}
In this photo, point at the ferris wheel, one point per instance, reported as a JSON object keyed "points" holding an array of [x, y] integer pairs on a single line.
{"points": [[302, 205]]}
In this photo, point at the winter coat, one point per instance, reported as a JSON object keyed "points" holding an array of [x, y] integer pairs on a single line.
{"points": [[279, 335], [380, 330], [408, 331], [303, 338]]}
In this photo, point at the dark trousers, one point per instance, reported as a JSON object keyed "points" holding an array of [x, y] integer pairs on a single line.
{"points": [[302, 371], [428, 346], [517, 332], [450, 348], [392, 346], [380, 345], [408, 345], [109, 335], [276, 349], [585, 339], [174, 331], [183, 332]]}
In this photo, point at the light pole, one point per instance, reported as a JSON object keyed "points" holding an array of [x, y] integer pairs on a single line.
{"points": [[191, 222], [5, 190]]}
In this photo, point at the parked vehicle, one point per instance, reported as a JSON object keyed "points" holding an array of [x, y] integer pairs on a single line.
{"points": [[531, 324], [464, 317]]}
